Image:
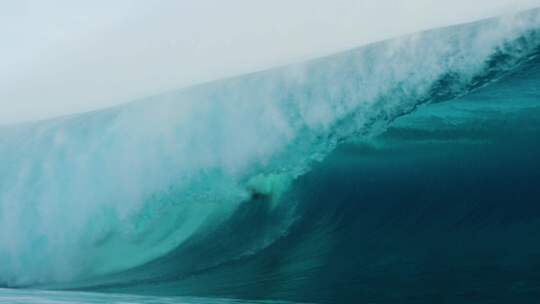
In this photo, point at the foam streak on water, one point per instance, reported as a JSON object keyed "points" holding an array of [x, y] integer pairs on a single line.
{"points": [[17, 296]]}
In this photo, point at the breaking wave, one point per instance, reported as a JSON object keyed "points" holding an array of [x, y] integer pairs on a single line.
{"points": [[85, 198]]}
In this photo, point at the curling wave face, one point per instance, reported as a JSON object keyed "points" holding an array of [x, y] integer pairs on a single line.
{"points": [[100, 193]]}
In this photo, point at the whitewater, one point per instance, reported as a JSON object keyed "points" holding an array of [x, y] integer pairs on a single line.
{"points": [[204, 177]]}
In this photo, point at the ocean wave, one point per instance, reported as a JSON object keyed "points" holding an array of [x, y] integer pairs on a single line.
{"points": [[99, 193]]}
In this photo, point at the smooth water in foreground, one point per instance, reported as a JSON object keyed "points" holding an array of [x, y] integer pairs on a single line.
{"points": [[402, 172]]}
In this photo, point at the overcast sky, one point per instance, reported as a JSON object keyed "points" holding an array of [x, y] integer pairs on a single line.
{"points": [[63, 56]]}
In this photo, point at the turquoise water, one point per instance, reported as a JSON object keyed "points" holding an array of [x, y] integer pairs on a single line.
{"points": [[11, 296], [406, 171]]}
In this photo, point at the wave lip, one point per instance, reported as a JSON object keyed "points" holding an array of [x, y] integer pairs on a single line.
{"points": [[132, 183]]}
